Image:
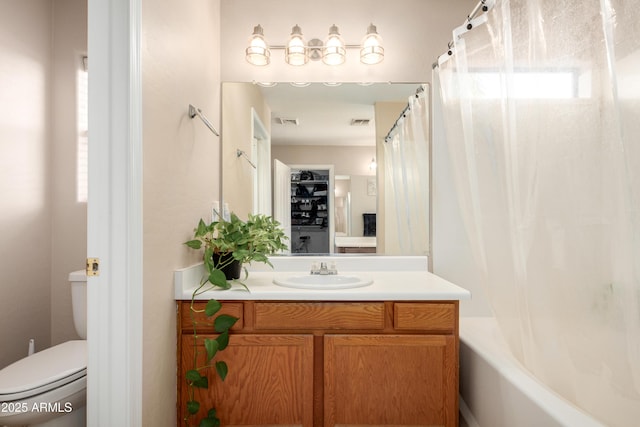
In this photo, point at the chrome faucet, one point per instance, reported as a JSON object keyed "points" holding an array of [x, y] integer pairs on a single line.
{"points": [[323, 270]]}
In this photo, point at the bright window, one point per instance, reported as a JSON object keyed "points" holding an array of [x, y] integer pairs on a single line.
{"points": [[82, 119], [553, 84]]}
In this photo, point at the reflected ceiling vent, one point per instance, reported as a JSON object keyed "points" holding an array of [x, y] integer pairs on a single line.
{"points": [[360, 122], [286, 121]]}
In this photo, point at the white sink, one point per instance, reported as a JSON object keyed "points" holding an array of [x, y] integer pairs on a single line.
{"points": [[329, 281]]}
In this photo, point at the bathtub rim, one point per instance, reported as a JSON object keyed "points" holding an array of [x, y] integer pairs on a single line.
{"points": [[564, 412]]}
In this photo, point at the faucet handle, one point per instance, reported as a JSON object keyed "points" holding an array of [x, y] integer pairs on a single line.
{"points": [[332, 267]]}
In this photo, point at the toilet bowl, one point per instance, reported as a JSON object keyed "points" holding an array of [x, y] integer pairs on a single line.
{"points": [[48, 388]]}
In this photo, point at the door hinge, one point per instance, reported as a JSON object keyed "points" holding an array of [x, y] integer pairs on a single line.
{"points": [[93, 266]]}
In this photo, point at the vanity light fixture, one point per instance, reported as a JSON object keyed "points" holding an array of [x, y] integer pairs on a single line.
{"points": [[258, 52], [334, 51], [373, 165], [372, 51], [298, 52]]}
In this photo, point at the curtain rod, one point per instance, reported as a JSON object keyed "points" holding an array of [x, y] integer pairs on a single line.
{"points": [[469, 23], [403, 114]]}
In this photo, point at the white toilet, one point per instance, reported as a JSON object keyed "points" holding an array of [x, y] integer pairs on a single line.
{"points": [[48, 388]]}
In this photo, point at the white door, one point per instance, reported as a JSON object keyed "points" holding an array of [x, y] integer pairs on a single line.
{"points": [[261, 158], [282, 197]]}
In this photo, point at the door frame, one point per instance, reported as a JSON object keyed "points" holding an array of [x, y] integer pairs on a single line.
{"points": [[330, 198], [114, 214], [261, 158]]}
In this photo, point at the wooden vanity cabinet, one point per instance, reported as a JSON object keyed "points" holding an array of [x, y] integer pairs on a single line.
{"points": [[332, 364]]}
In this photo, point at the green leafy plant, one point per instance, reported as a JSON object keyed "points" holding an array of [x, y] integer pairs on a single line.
{"points": [[197, 377], [244, 242]]}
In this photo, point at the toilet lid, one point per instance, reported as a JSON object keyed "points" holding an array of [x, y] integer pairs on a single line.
{"points": [[44, 370]]}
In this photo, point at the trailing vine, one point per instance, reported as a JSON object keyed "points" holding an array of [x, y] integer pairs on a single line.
{"points": [[197, 376], [223, 242]]}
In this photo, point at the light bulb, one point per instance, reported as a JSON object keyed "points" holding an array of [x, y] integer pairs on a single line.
{"points": [[258, 52], [333, 52], [296, 50], [371, 51]]}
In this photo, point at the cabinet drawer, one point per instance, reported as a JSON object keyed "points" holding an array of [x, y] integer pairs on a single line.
{"points": [[425, 316], [318, 315], [204, 323]]}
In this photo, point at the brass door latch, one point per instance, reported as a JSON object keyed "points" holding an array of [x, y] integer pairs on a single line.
{"points": [[93, 266]]}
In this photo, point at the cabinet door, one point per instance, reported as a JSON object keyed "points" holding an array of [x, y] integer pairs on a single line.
{"points": [[270, 380], [390, 380]]}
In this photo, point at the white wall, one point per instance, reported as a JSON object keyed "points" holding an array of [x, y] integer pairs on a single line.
{"points": [[361, 202], [348, 160], [180, 63], [42, 225], [237, 121], [25, 158]]}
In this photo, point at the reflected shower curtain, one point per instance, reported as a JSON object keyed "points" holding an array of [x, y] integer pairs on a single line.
{"points": [[542, 120], [406, 171]]}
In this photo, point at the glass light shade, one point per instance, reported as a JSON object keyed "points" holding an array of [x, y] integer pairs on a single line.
{"points": [[371, 51], [258, 52], [333, 52], [296, 50]]}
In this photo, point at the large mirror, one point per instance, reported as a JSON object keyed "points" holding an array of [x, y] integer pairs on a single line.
{"points": [[314, 131]]}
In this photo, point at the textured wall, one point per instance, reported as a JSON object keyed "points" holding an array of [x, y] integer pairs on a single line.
{"points": [[180, 51], [25, 158]]}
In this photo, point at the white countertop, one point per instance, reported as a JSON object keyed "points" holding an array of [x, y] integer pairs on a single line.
{"points": [[394, 279], [357, 242]]}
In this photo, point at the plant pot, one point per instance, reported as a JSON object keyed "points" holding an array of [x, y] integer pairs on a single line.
{"points": [[231, 269]]}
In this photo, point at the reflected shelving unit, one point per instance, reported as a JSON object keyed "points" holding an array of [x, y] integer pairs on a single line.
{"points": [[311, 210]]}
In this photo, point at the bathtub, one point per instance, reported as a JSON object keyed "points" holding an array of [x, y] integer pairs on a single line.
{"points": [[496, 391]]}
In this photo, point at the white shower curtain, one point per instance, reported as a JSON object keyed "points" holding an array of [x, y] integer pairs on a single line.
{"points": [[406, 171], [542, 119]]}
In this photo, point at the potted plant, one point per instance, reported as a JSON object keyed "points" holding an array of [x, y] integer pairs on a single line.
{"points": [[227, 246]]}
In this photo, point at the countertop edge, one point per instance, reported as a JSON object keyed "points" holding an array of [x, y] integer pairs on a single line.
{"points": [[416, 285]]}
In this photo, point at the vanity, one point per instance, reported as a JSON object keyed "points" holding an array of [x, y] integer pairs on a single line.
{"points": [[383, 353]]}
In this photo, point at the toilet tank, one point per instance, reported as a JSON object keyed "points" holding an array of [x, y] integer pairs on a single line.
{"points": [[78, 281]]}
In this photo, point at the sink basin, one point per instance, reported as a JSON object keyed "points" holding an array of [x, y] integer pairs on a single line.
{"points": [[331, 281]]}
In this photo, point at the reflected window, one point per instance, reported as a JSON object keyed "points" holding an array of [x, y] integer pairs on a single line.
{"points": [[82, 121]]}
